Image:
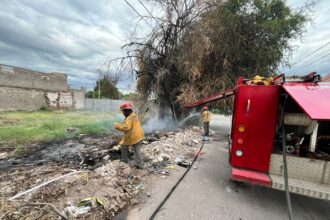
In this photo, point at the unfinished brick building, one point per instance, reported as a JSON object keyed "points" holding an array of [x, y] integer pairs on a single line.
{"points": [[23, 89]]}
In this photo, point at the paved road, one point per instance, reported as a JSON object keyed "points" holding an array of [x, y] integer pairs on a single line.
{"points": [[207, 193]]}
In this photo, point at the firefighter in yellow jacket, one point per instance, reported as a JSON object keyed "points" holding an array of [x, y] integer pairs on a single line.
{"points": [[133, 134], [206, 117]]}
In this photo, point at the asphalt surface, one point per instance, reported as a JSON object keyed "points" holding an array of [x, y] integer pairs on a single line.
{"points": [[207, 193]]}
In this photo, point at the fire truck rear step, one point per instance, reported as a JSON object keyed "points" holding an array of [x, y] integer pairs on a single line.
{"points": [[302, 187], [308, 177]]}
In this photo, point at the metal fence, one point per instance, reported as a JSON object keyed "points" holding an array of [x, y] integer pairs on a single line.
{"points": [[103, 105]]}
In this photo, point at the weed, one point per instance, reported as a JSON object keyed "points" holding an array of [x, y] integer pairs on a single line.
{"points": [[23, 128]]}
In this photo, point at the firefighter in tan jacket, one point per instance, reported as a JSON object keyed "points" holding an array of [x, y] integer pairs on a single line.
{"points": [[206, 117], [133, 134]]}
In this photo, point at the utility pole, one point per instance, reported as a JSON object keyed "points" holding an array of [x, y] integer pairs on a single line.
{"points": [[99, 89]]}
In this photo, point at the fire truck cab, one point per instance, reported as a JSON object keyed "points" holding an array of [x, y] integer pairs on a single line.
{"points": [[296, 108]]}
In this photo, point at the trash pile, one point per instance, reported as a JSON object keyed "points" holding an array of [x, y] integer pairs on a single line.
{"points": [[83, 178], [172, 148], [97, 194]]}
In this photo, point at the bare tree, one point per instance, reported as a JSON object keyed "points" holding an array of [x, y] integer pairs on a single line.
{"points": [[198, 47]]}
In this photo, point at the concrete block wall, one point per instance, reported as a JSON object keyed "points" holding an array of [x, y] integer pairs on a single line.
{"points": [[22, 89], [13, 99], [103, 105], [23, 78], [78, 99]]}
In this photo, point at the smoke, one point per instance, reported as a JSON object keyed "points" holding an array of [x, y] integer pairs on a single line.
{"points": [[155, 124]]}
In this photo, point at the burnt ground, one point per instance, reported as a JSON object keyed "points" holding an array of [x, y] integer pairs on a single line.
{"points": [[103, 178], [77, 152]]}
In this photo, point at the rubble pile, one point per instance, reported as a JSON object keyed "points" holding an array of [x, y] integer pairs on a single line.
{"points": [[183, 144], [104, 184], [122, 183]]}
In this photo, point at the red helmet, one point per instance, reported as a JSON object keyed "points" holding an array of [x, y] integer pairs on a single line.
{"points": [[205, 107], [126, 106]]}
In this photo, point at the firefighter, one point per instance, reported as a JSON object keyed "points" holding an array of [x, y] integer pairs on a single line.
{"points": [[206, 117], [133, 134]]}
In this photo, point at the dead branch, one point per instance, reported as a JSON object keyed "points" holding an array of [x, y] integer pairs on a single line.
{"points": [[53, 208], [43, 184]]}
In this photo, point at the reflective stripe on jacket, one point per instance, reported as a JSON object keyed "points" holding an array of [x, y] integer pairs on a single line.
{"points": [[132, 129]]}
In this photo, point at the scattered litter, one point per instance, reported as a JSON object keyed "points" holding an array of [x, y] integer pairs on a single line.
{"points": [[134, 201], [145, 142], [91, 201], [115, 148], [171, 167], [3, 155], [163, 157], [165, 172], [195, 167], [228, 189], [73, 211], [86, 202], [205, 138], [181, 162], [177, 160], [140, 187]]}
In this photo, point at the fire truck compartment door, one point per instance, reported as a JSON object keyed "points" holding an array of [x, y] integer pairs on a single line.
{"points": [[313, 98]]}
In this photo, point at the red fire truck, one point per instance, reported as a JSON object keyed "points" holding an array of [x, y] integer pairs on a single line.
{"points": [[289, 116]]}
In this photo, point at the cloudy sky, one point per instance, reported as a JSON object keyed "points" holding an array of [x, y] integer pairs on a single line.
{"points": [[77, 36], [312, 51]]}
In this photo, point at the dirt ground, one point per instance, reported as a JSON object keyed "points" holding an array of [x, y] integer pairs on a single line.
{"points": [[86, 178]]}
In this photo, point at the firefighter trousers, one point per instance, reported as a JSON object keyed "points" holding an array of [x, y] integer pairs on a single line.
{"points": [[206, 128], [137, 154]]}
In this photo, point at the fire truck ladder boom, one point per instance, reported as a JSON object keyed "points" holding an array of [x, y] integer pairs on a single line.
{"points": [[212, 98]]}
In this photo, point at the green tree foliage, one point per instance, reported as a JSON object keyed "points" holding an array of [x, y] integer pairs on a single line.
{"points": [[107, 89], [89, 94], [129, 96], [239, 38]]}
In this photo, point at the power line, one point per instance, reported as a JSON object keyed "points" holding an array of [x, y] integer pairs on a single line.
{"points": [[137, 13], [319, 56], [313, 62], [311, 53], [315, 68]]}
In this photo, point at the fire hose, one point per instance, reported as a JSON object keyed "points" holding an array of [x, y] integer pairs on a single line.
{"points": [[286, 181], [176, 184]]}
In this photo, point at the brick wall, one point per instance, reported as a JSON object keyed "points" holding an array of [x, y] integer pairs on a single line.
{"points": [[23, 78], [22, 89], [12, 99]]}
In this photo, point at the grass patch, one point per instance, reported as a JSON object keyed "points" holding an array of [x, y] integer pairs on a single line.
{"points": [[22, 128]]}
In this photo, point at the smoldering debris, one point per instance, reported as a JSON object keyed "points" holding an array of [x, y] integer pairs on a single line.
{"points": [[105, 178], [78, 153], [161, 125]]}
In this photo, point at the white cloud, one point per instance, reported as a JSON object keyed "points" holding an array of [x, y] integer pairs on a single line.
{"points": [[70, 36], [317, 35], [77, 36]]}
